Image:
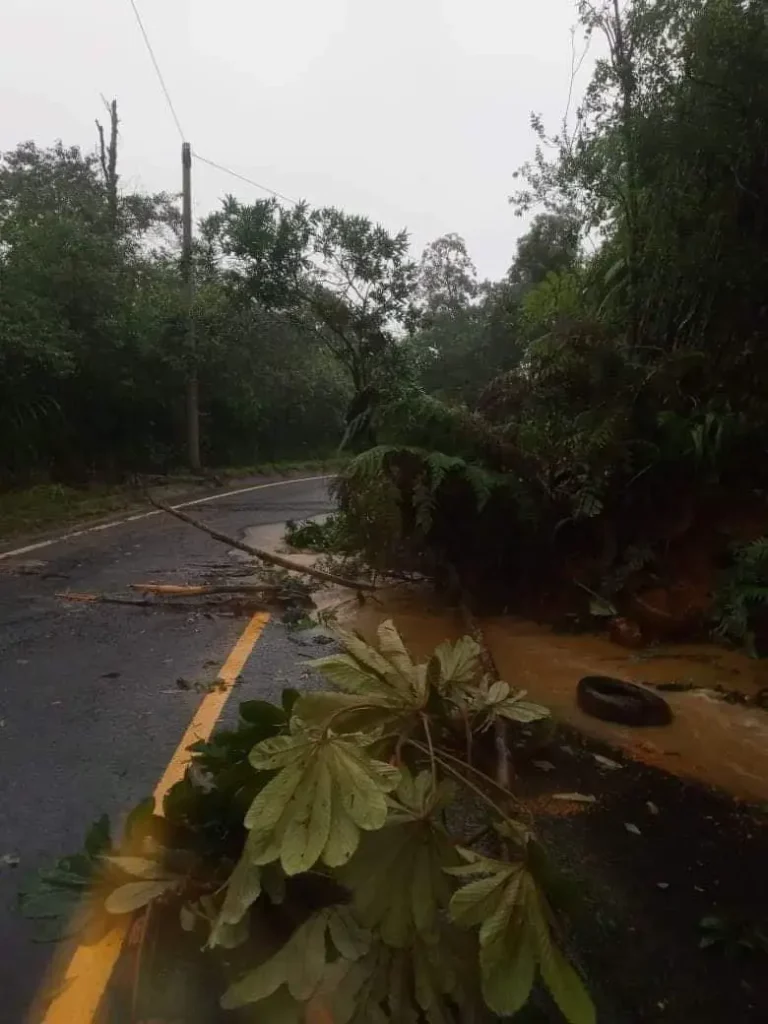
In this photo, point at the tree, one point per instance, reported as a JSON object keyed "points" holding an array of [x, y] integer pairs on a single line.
{"points": [[447, 276], [550, 246], [346, 281], [91, 340]]}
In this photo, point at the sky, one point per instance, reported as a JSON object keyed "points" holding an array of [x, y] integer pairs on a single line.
{"points": [[414, 113]]}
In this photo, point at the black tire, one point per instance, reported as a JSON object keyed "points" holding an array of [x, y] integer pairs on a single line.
{"points": [[614, 700]]}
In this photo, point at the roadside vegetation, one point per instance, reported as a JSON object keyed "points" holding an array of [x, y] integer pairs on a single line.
{"points": [[278, 851]]}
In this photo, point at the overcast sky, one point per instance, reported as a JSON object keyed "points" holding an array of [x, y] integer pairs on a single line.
{"points": [[413, 112]]}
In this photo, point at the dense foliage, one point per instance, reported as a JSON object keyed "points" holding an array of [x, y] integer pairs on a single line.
{"points": [[625, 440], [327, 852]]}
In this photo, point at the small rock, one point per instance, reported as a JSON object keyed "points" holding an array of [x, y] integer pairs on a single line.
{"points": [[544, 766], [662, 885], [652, 807], [8, 860], [632, 828]]}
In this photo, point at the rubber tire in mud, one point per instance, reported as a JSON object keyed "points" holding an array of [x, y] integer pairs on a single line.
{"points": [[614, 700]]}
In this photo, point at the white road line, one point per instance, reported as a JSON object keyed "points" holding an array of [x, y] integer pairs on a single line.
{"points": [[38, 545]]}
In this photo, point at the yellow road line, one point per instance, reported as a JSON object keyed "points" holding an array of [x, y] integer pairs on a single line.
{"points": [[88, 972], [206, 716]]}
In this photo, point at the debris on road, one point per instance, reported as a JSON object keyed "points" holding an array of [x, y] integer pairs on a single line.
{"points": [[266, 556], [575, 798], [606, 762]]}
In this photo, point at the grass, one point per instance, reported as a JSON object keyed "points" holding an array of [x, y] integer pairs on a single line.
{"points": [[47, 506]]}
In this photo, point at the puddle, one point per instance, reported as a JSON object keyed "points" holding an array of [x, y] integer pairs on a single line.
{"points": [[719, 744]]}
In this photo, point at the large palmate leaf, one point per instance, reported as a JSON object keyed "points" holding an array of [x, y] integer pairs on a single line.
{"points": [[515, 938], [422, 983], [413, 848], [459, 662], [326, 791], [303, 962], [378, 687]]}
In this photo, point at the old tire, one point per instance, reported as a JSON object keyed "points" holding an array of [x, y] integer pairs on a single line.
{"points": [[614, 700]]}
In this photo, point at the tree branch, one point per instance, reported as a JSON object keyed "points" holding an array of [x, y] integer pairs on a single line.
{"points": [[264, 556]]}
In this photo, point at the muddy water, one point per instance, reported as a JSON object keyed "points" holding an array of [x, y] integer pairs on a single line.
{"points": [[719, 744]]}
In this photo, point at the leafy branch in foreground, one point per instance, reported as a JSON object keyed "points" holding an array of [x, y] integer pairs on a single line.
{"points": [[321, 853]]}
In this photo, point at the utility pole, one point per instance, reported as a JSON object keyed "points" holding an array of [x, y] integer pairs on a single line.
{"points": [[193, 405]]}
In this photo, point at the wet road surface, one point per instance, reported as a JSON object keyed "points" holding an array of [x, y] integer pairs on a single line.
{"points": [[90, 712]]}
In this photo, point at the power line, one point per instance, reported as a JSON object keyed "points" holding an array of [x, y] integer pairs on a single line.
{"points": [[242, 177], [163, 86], [166, 93]]}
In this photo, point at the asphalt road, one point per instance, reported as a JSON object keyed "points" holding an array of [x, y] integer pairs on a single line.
{"points": [[90, 712]]}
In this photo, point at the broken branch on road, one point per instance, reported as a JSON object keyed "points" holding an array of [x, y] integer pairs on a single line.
{"points": [[265, 556]]}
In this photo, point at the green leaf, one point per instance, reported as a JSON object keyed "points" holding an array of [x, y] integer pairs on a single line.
{"points": [[229, 936], [343, 835], [475, 902], [315, 806], [307, 957], [343, 671], [514, 938], [498, 692], [134, 895], [393, 649], [317, 707], [139, 867], [257, 984], [307, 820], [508, 970], [243, 889], [561, 979], [459, 662], [288, 699], [300, 964], [279, 751], [417, 853], [269, 717], [370, 660], [268, 805], [524, 711], [348, 936]]}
